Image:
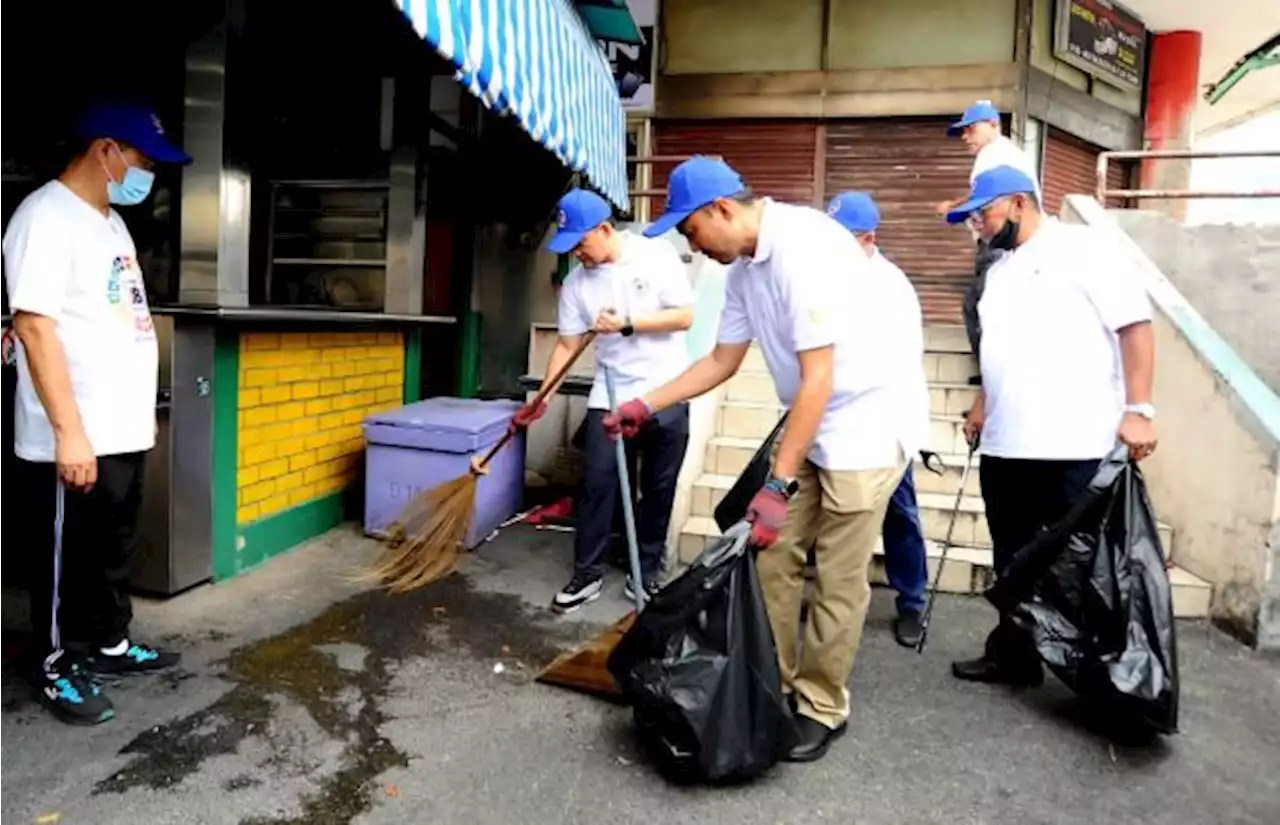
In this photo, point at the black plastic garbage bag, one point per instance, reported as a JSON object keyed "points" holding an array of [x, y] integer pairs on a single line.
{"points": [[701, 672], [733, 507], [1095, 595]]}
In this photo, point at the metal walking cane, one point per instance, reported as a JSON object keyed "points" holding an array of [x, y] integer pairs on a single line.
{"points": [[946, 546], [628, 513]]}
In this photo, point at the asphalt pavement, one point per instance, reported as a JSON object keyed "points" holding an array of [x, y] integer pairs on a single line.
{"points": [[304, 699]]}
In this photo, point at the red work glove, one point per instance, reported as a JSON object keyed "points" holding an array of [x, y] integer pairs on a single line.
{"points": [[528, 414], [628, 420], [766, 513]]}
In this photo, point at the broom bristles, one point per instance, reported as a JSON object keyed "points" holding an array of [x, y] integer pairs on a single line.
{"points": [[425, 544]]}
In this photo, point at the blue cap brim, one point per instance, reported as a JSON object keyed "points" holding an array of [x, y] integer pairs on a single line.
{"points": [[964, 210], [564, 242], [666, 222], [955, 129], [159, 150]]}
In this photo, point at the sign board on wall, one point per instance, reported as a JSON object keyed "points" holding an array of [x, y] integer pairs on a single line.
{"points": [[1102, 38], [634, 67]]}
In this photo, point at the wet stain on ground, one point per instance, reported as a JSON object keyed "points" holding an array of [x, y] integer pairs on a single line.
{"points": [[449, 614]]}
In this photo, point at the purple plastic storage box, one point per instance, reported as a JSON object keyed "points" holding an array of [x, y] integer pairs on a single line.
{"points": [[417, 447]]}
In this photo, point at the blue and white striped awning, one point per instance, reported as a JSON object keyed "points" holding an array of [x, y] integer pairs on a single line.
{"points": [[535, 61]]}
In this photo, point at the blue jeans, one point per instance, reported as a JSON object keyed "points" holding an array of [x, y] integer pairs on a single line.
{"points": [[904, 553]]}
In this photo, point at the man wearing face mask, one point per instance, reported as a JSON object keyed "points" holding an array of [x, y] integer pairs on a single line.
{"points": [[800, 285], [905, 558], [635, 293], [979, 128], [1067, 365], [84, 414]]}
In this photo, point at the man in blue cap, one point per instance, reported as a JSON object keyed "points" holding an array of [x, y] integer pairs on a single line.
{"points": [[84, 414], [635, 294], [905, 559], [800, 286], [979, 128], [1067, 365]]}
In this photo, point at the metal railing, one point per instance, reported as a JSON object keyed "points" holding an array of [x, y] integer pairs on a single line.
{"points": [[649, 161], [1102, 192]]}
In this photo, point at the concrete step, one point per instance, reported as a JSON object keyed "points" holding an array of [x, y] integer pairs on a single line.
{"points": [[949, 367], [728, 455], [968, 569], [947, 398], [952, 469], [946, 338], [946, 434], [752, 386], [971, 520], [747, 419]]}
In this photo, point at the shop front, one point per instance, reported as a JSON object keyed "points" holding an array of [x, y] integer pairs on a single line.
{"points": [[370, 187]]}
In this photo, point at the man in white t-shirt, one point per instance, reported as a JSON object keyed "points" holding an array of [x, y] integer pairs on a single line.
{"points": [[1067, 364], [635, 293], [979, 128], [905, 558], [84, 414], [800, 285]]}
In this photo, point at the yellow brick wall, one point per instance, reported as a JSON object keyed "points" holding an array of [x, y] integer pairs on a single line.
{"points": [[302, 397]]}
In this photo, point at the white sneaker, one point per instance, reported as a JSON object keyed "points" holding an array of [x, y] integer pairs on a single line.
{"points": [[576, 593]]}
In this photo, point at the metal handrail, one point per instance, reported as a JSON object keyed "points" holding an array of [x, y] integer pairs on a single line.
{"points": [[1102, 192]]}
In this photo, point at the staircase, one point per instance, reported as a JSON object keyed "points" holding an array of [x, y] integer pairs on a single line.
{"points": [[749, 409]]}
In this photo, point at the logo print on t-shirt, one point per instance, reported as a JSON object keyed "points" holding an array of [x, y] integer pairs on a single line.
{"points": [[126, 279]]}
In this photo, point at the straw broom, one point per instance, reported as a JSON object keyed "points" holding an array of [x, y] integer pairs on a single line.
{"points": [[425, 543]]}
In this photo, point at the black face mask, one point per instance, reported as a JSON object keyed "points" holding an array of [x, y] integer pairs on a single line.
{"points": [[1007, 238]]}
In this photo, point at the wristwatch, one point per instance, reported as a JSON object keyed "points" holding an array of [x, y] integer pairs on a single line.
{"points": [[627, 327], [1147, 411], [787, 486]]}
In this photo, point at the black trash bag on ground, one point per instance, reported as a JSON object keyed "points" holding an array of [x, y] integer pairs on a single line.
{"points": [[1094, 593], [701, 672]]}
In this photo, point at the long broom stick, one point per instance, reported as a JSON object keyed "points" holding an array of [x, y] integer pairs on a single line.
{"points": [[425, 543]]}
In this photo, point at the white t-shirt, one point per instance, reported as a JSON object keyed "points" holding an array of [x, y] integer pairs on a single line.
{"points": [[1051, 365], [65, 260], [811, 285], [647, 278], [909, 321], [1004, 152]]}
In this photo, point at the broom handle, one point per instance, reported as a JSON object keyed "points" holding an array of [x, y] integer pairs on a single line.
{"points": [[547, 389]]}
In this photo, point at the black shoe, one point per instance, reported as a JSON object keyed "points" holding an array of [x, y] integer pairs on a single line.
{"points": [[135, 658], [70, 692], [814, 738], [992, 672], [576, 593], [650, 587], [908, 627]]}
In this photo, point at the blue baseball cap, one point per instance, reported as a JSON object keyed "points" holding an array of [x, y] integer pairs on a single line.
{"points": [[133, 124], [855, 211], [698, 181], [578, 213], [992, 184], [977, 113]]}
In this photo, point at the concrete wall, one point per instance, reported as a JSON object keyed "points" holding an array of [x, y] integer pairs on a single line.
{"points": [[1216, 476], [713, 36], [1230, 274]]}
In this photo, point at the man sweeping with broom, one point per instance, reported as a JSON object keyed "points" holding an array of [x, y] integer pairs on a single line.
{"points": [[634, 293], [800, 285]]}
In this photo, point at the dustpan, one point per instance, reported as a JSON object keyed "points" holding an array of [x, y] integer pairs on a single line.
{"points": [[586, 668]]}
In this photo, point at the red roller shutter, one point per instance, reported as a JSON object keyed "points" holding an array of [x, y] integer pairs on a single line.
{"points": [[909, 165], [776, 158], [1071, 168]]}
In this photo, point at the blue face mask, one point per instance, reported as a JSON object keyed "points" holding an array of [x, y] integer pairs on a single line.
{"points": [[133, 188]]}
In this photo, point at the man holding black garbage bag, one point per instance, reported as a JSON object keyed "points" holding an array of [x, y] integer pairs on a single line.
{"points": [[800, 285], [1067, 361]]}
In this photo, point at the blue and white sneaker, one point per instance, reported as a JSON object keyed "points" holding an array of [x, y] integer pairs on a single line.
{"points": [[131, 657], [70, 692]]}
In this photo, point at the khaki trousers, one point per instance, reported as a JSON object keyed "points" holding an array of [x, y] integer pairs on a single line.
{"points": [[840, 514]]}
